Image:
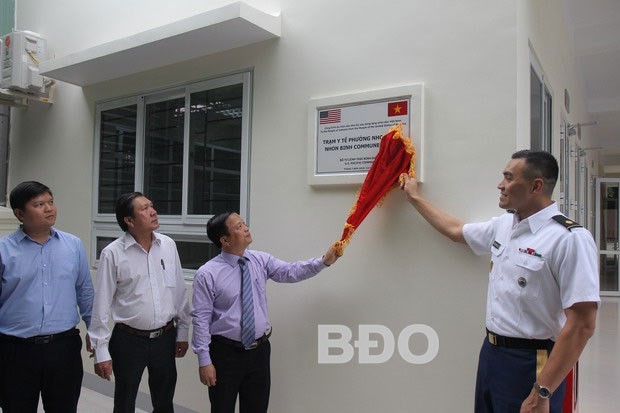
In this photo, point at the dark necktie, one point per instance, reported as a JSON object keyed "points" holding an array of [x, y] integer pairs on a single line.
{"points": [[247, 305]]}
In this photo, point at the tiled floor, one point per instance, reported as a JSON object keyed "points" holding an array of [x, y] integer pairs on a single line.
{"points": [[598, 381]]}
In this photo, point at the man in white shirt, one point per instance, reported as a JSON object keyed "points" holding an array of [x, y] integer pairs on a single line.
{"points": [[543, 287], [140, 282]]}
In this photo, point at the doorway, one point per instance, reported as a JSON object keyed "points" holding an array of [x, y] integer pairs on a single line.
{"points": [[607, 241]]}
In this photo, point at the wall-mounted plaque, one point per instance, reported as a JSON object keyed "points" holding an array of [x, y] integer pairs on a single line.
{"points": [[345, 131]]}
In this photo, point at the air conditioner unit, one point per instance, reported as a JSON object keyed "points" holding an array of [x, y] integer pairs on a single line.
{"points": [[21, 52]]}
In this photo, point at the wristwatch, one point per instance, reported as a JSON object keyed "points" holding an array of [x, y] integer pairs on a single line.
{"points": [[542, 391]]}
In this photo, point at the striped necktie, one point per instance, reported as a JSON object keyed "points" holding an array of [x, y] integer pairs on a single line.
{"points": [[247, 305]]}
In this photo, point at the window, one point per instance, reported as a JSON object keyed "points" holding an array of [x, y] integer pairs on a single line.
{"points": [[540, 111], [186, 149], [5, 119]]}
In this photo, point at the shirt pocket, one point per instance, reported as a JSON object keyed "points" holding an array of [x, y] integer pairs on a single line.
{"points": [[64, 265], [168, 275], [529, 273]]}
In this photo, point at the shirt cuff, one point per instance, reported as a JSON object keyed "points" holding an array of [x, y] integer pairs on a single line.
{"points": [[320, 265], [204, 359], [102, 354]]}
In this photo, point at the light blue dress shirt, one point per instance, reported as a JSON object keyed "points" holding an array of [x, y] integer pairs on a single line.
{"points": [[42, 285]]}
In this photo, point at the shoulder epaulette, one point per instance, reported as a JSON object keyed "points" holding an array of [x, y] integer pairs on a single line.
{"points": [[566, 223]]}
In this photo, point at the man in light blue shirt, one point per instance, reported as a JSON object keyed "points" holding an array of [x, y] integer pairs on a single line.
{"points": [[44, 280]]}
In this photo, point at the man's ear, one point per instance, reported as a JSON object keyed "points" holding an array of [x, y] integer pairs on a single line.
{"points": [[19, 214], [538, 186], [223, 240], [128, 221]]}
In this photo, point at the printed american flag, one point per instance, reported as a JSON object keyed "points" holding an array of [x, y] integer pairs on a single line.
{"points": [[329, 116]]}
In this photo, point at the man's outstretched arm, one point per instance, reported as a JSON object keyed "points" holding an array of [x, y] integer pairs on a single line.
{"points": [[446, 224]]}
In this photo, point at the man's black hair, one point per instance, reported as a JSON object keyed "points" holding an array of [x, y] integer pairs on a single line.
{"points": [[24, 192], [216, 228], [124, 208], [539, 164]]}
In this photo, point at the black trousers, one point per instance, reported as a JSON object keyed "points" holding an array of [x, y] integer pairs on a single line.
{"points": [[130, 356], [505, 379], [240, 372], [52, 370]]}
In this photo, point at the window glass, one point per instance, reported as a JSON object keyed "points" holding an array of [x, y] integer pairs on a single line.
{"points": [[117, 155], [215, 150], [535, 110], [540, 113], [103, 242], [194, 254], [163, 157]]}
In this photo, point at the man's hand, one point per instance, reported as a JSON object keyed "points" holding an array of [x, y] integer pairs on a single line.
{"points": [[535, 404], [181, 348], [410, 186], [104, 369], [331, 256], [207, 375]]}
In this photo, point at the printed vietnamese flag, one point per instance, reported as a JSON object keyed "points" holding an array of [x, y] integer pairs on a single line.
{"points": [[396, 156], [397, 108]]}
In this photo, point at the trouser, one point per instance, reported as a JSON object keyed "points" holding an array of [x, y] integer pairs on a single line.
{"points": [[506, 377], [52, 370], [240, 372], [131, 354]]}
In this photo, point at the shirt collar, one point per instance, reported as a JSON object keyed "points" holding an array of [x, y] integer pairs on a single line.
{"points": [[129, 240], [232, 259], [21, 234], [537, 220]]}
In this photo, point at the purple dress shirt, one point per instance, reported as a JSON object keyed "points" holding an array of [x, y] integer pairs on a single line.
{"points": [[217, 300]]}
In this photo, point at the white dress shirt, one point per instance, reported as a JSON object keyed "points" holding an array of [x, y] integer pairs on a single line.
{"points": [[538, 269], [144, 290]]}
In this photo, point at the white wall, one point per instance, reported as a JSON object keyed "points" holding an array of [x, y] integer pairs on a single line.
{"points": [[397, 270]]}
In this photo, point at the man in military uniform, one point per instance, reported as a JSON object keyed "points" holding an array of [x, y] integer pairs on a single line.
{"points": [[543, 291]]}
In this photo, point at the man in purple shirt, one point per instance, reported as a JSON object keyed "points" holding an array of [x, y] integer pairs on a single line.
{"points": [[229, 364]]}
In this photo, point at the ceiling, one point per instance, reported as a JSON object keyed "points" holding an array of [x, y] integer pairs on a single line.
{"points": [[595, 26]]}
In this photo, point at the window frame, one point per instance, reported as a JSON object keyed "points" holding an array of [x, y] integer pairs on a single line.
{"points": [[185, 226], [546, 106]]}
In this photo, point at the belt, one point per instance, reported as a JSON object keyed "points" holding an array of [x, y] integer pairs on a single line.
{"points": [[521, 343], [40, 339], [238, 344], [146, 333]]}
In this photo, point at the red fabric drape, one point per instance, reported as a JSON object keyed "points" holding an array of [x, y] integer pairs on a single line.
{"points": [[396, 156]]}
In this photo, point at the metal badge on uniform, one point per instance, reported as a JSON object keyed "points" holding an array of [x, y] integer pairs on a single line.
{"points": [[522, 282], [496, 245]]}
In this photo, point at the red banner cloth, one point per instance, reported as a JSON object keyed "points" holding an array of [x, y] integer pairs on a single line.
{"points": [[396, 156]]}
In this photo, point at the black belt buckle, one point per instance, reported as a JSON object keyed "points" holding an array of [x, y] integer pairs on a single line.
{"points": [[43, 339]]}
